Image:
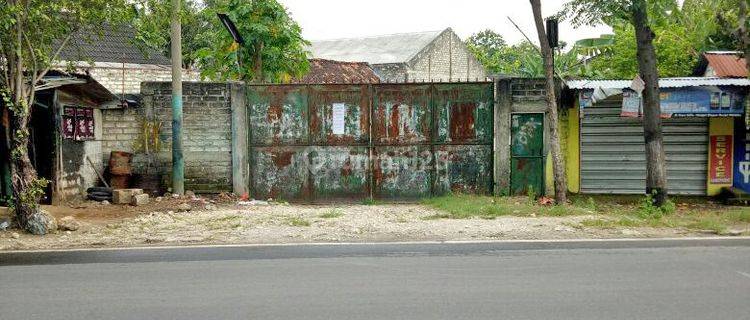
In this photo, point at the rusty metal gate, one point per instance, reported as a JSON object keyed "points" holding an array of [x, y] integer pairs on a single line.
{"points": [[386, 141]]}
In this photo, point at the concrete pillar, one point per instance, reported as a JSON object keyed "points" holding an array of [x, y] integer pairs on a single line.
{"points": [[501, 144], [240, 158]]}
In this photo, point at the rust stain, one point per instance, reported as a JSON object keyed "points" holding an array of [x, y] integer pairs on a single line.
{"points": [[462, 121], [282, 158], [393, 125]]}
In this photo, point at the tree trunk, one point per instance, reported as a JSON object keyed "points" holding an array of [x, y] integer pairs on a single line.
{"points": [[656, 174], [742, 32], [258, 62], [558, 165], [27, 188], [22, 171]]}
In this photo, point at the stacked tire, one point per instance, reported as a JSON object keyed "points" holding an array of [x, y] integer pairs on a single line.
{"points": [[99, 194]]}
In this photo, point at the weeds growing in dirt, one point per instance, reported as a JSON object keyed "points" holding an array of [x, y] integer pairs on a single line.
{"points": [[330, 214], [297, 222]]}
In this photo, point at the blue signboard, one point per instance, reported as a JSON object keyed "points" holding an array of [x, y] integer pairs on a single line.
{"points": [[705, 101], [741, 156]]}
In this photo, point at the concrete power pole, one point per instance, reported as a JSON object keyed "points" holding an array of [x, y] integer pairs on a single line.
{"points": [[178, 163]]}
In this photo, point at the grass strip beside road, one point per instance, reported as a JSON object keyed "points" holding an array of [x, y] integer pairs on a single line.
{"points": [[695, 214]]}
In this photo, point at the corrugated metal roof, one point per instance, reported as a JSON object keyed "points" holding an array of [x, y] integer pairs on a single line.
{"points": [[663, 83], [329, 71], [393, 48], [726, 64]]}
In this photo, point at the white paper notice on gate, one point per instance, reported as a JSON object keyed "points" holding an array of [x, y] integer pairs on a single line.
{"points": [[339, 111]]}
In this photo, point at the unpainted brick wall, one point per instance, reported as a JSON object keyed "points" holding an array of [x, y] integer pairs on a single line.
{"points": [[127, 78], [206, 133], [447, 59], [528, 90]]}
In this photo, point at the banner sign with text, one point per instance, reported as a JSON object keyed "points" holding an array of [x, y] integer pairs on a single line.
{"points": [[706, 101], [720, 159]]}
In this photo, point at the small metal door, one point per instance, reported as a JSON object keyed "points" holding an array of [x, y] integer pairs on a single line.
{"points": [[527, 153]]}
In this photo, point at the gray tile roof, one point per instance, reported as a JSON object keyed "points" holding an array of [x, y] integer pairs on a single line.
{"points": [[110, 44], [392, 48]]}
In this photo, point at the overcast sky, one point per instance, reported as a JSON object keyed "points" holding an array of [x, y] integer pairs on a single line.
{"points": [[331, 19]]}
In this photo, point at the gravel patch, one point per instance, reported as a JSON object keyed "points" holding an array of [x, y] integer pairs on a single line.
{"points": [[280, 223]]}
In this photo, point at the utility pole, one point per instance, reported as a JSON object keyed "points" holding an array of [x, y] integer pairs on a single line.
{"points": [[178, 163]]}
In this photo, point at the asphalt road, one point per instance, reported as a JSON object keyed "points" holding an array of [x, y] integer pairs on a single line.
{"points": [[524, 280]]}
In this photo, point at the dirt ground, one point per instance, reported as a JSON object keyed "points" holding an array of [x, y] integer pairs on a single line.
{"points": [[228, 221]]}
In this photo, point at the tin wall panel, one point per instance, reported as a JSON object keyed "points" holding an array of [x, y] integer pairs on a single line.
{"points": [[463, 169], [401, 114], [464, 113], [388, 149], [355, 98], [613, 157], [402, 172], [280, 173], [339, 172], [278, 115]]}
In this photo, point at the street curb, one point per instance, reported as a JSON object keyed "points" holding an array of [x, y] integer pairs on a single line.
{"points": [[528, 244]]}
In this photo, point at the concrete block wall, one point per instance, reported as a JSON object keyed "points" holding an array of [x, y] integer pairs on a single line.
{"points": [[111, 75], [392, 72], [446, 59], [207, 133]]}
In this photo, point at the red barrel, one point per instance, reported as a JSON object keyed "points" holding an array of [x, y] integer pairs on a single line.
{"points": [[120, 163]]}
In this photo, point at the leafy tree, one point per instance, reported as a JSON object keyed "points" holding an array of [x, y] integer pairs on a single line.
{"points": [[32, 34], [487, 41], [152, 26], [641, 15], [682, 33], [274, 50]]}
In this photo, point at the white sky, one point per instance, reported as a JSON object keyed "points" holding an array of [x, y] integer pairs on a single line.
{"points": [[330, 19]]}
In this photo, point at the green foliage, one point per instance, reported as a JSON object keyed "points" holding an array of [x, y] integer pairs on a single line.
{"points": [[522, 59], [31, 194], [682, 34], [647, 209], [330, 214], [466, 206], [153, 27], [297, 222], [269, 33]]}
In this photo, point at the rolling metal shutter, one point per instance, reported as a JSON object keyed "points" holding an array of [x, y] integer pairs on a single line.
{"points": [[613, 160]]}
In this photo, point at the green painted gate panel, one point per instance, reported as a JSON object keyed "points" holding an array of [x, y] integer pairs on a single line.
{"points": [[339, 172], [464, 113], [402, 172], [280, 173], [400, 141], [278, 115], [527, 153], [356, 101], [463, 169], [401, 114]]}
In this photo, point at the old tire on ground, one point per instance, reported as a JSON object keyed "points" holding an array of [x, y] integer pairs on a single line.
{"points": [[99, 189], [99, 197]]}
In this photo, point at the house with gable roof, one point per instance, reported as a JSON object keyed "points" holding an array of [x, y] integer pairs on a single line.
{"points": [[407, 57]]}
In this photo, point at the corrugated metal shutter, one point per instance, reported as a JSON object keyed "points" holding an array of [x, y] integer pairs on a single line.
{"points": [[613, 159]]}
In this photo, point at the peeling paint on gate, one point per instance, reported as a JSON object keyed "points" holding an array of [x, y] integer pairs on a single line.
{"points": [[464, 113], [280, 173], [339, 172], [356, 99], [400, 141], [402, 114], [463, 169], [278, 115], [402, 172]]}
